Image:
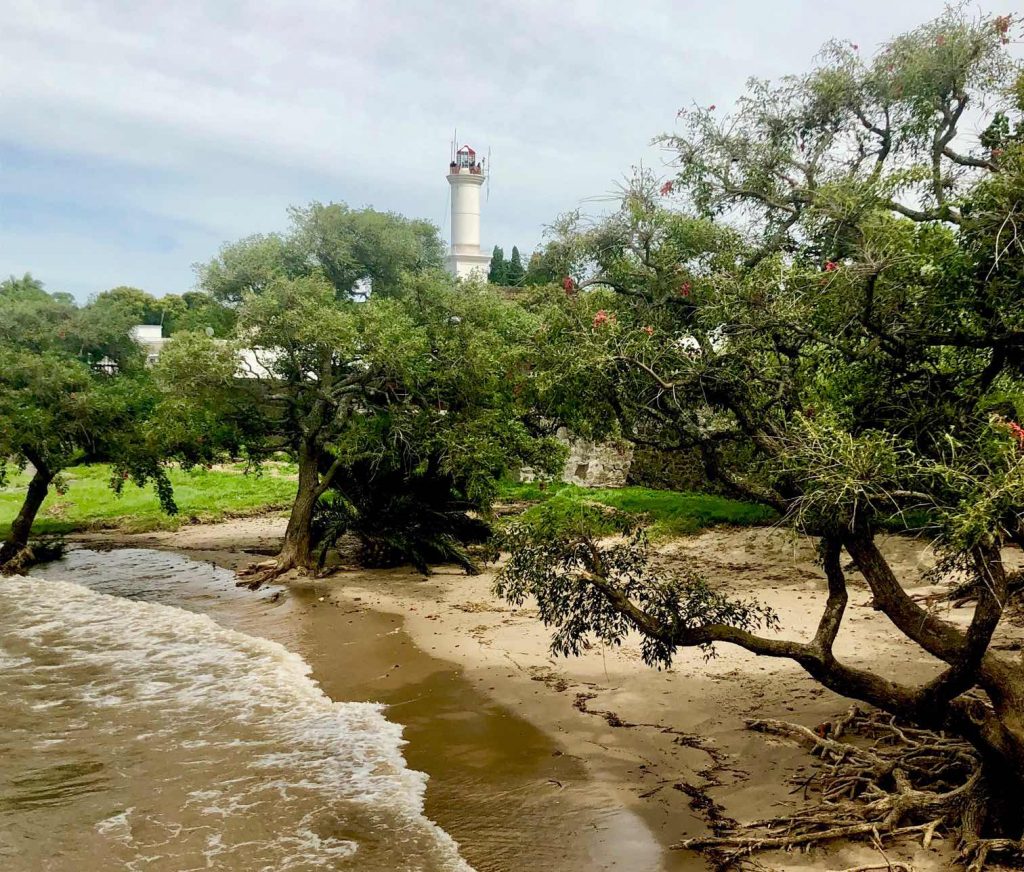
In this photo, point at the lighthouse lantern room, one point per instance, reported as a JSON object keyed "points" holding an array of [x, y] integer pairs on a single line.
{"points": [[466, 177]]}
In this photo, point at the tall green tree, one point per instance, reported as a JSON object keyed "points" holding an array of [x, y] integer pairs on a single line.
{"points": [[515, 271], [340, 319], [496, 272], [836, 327], [73, 388], [357, 251]]}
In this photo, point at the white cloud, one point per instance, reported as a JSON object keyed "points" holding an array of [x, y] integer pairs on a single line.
{"points": [[221, 114]]}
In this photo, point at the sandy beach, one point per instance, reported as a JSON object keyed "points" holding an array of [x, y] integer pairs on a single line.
{"points": [[598, 762]]}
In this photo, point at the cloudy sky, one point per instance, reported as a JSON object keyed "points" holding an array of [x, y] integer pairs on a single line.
{"points": [[136, 137]]}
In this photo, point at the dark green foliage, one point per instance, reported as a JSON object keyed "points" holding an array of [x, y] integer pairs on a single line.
{"points": [[497, 272], [580, 583], [540, 271], [400, 515], [514, 271], [74, 389]]}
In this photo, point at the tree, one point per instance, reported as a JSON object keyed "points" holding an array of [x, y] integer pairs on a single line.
{"points": [[538, 271], [346, 318], [72, 389], [497, 271], [514, 271], [354, 250], [836, 327], [419, 478]]}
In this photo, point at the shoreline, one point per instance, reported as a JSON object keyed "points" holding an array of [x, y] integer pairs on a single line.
{"points": [[611, 762]]}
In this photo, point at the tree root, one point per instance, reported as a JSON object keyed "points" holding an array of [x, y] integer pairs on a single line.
{"points": [[897, 781], [255, 575], [17, 560], [878, 867], [967, 592]]}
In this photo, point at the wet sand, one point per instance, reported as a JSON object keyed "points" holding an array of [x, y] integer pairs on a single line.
{"points": [[598, 762]]}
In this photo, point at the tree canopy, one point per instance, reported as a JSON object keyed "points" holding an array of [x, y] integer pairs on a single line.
{"points": [[73, 388], [825, 301], [362, 361]]}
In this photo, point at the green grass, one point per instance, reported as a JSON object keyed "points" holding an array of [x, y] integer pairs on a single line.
{"points": [[201, 495], [669, 513]]}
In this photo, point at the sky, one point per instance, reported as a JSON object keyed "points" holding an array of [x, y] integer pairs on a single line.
{"points": [[137, 137]]}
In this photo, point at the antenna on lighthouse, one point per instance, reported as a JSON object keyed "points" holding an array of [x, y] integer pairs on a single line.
{"points": [[490, 172]]}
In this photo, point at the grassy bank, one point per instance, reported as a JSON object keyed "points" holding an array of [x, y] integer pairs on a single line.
{"points": [[669, 513], [201, 495]]}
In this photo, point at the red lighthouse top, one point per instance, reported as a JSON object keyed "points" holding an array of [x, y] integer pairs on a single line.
{"points": [[464, 161]]}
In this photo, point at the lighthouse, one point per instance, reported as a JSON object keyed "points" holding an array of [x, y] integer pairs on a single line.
{"points": [[466, 176]]}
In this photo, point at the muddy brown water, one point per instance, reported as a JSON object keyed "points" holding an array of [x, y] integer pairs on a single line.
{"points": [[156, 717]]}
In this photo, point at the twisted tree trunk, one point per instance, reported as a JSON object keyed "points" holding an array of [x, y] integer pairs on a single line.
{"points": [[15, 554]]}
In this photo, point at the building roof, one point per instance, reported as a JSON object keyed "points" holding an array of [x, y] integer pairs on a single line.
{"points": [[466, 149]]}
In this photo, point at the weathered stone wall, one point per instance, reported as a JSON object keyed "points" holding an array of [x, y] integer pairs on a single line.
{"points": [[591, 464], [669, 470], [597, 464]]}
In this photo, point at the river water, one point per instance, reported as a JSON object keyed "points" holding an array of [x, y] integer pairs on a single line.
{"points": [[138, 733]]}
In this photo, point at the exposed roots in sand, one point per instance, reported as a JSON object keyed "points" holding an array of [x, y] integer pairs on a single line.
{"points": [[900, 781], [255, 575], [17, 560]]}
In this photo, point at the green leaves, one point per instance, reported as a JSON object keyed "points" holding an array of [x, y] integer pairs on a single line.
{"points": [[586, 586]]}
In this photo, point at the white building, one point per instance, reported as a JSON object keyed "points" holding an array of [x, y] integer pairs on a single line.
{"points": [[151, 338], [466, 176]]}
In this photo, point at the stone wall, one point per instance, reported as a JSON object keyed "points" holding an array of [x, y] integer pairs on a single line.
{"points": [[591, 464], [680, 470]]}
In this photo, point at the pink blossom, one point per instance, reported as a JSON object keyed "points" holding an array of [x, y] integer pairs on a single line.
{"points": [[600, 318], [667, 188], [569, 285], [831, 266], [649, 330], [1017, 432], [711, 108], [684, 289]]}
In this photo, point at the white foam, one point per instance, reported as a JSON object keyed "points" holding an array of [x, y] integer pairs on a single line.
{"points": [[201, 690]]}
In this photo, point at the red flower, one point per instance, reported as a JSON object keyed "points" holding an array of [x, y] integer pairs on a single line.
{"points": [[711, 108], [569, 285], [600, 318], [684, 289], [855, 46], [997, 152], [1017, 432], [649, 330], [667, 188], [831, 266]]}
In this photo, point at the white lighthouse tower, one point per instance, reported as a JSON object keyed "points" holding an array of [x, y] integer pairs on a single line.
{"points": [[466, 176]]}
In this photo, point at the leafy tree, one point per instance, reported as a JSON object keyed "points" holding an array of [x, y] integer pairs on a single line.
{"points": [[836, 327], [514, 271], [60, 407], [538, 271], [496, 274], [418, 478], [329, 365], [354, 250]]}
